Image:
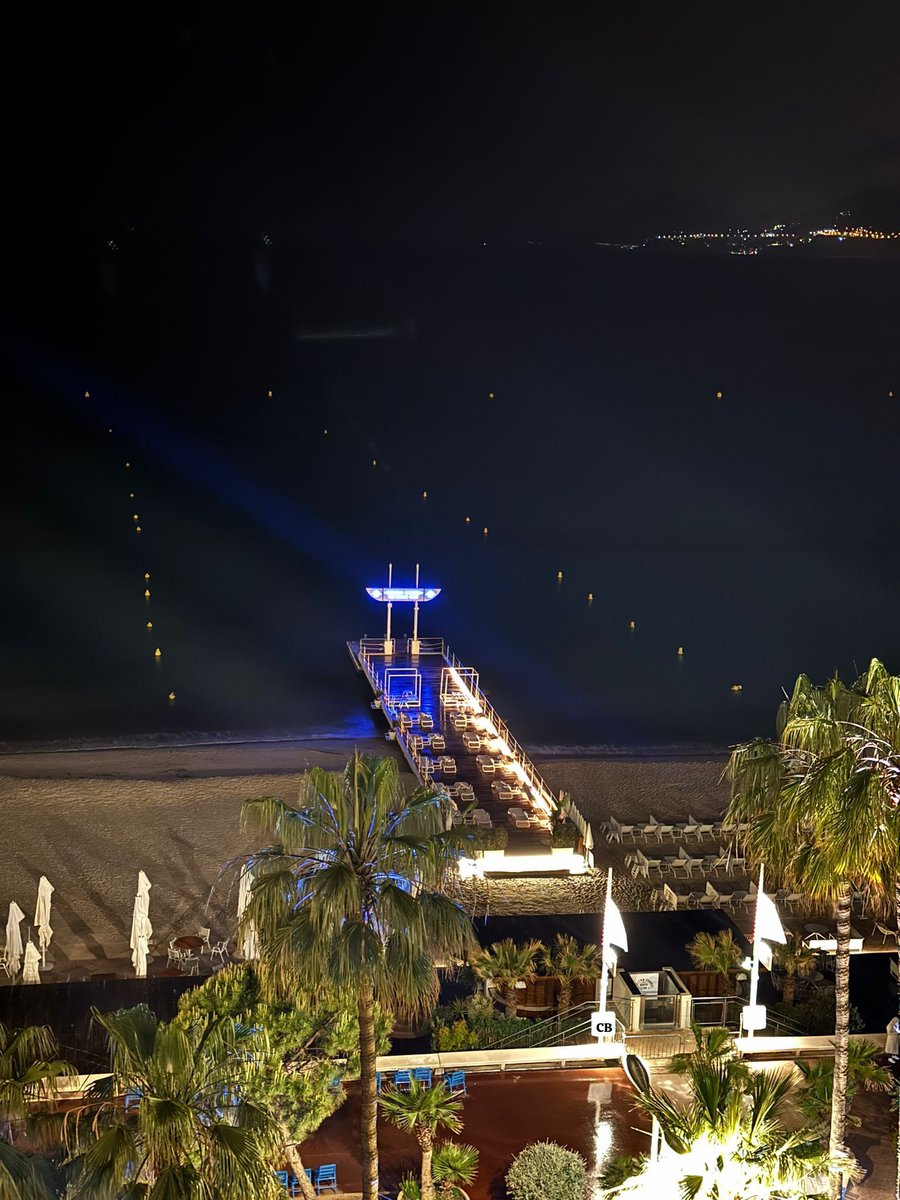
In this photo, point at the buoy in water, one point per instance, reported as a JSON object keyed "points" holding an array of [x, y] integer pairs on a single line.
{"points": [[269, 393], [424, 495], [146, 593], [146, 574], [718, 395], [681, 651], [157, 653], [128, 464], [590, 597], [485, 531], [131, 495], [325, 432], [172, 694], [559, 576], [631, 625], [137, 529], [135, 517], [737, 687], [374, 462], [109, 431], [149, 624], [490, 395], [890, 395], [468, 520], [87, 395]]}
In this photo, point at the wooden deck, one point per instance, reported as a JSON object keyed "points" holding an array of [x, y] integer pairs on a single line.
{"points": [[430, 663]]}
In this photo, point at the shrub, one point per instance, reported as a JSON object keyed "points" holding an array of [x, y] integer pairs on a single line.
{"points": [[564, 834], [547, 1171], [495, 838], [816, 1014], [620, 1169]]}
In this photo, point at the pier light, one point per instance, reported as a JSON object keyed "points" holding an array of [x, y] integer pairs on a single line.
{"points": [[391, 595]]}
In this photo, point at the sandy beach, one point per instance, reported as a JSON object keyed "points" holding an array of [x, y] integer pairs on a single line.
{"points": [[89, 820]]}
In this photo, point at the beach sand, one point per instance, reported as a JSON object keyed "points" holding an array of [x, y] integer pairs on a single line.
{"points": [[90, 820]]}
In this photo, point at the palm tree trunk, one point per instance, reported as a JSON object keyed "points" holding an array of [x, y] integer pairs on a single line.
{"points": [[564, 1003], [836, 1143], [295, 1162], [427, 1144], [369, 1113], [790, 989], [897, 927], [509, 1003]]}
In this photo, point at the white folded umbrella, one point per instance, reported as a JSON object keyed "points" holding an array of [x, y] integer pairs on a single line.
{"points": [[13, 938], [30, 974], [249, 940], [141, 929], [42, 915]]}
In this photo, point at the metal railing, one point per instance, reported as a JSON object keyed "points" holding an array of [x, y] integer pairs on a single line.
{"points": [[572, 1028], [726, 1011]]}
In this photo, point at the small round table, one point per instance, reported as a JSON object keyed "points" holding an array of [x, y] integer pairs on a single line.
{"points": [[189, 942]]}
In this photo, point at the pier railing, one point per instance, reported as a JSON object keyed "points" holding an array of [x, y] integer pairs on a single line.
{"points": [[369, 649]]}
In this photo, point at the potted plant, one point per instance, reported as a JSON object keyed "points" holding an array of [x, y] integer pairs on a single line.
{"points": [[489, 843], [563, 837]]}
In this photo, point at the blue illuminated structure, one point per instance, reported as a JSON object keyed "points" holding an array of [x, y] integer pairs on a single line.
{"points": [[402, 595]]}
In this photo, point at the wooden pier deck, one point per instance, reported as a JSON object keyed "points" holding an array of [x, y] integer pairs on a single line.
{"points": [[433, 683]]}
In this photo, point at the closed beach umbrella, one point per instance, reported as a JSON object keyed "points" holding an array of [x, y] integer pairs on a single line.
{"points": [[13, 938], [32, 964], [249, 940], [141, 929], [42, 915]]}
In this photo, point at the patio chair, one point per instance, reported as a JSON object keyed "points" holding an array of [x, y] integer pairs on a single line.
{"points": [[648, 829], [4, 966], [426, 721], [190, 963], [175, 955], [884, 931], [402, 1079], [689, 827], [203, 934], [665, 833], [423, 1075], [326, 1177], [220, 951], [705, 829], [456, 1083]]}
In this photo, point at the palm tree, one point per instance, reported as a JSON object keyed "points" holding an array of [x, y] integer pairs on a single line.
{"points": [[729, 1140], [187, 1128], [28, 1071], [359, 893], [820, 806], [454, 1166], [815, 1098], [797, 961], [719, 953], [713, 1047], [571, 963], [504, 965], [422, 1111]]}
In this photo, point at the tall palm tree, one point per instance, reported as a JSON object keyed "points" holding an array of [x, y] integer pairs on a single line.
{"points": [[187, 1128], [729, 1140], [797, 961], [504, 964], [821, 808], [422, 1111], [359, 891], [570, 963], [814, 1100], [29, 1069]]}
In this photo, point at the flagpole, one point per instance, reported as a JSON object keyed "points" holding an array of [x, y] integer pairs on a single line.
{"points": [[754, 970], [604, 964]]}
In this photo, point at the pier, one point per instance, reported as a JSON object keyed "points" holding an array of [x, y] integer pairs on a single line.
{"points": [[452, 739]]}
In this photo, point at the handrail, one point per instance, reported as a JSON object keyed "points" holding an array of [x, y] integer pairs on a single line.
{"points": [[773, 1020], [542, 1033]]}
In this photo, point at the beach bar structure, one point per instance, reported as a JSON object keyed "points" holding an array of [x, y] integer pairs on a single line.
{"points": [[452, 739]]}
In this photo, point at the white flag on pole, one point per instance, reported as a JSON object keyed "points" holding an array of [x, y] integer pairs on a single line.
{"points": [[614, 928], [768, 924]]}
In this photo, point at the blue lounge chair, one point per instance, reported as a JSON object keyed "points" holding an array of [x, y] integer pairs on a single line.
{"points": [[326, 1177], [377, 1081], [456, 1083], [284, 1179], [423, 1075], [402, 1079]]}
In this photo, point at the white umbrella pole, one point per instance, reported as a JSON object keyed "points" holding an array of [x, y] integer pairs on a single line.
{"points": [[754, 969]]}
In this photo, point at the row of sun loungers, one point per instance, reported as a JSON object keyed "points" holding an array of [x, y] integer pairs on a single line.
{"points": [[652, 830], [684, 864]]}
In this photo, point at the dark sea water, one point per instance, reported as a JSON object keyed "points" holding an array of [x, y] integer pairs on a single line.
{"points": [[759, 531]]}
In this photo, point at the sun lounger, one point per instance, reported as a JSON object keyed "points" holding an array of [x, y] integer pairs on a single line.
{"points": [[519, 818], [483, 818]]}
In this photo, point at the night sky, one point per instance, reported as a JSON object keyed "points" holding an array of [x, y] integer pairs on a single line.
{"points": [[448, 124]]}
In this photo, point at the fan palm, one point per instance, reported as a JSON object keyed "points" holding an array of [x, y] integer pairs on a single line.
{"points": [[28, 1070], [821, 809], [504, 964], [187, 1129], [797, 960], [422, 1111], [571, 963], [818, 1077], [719, 953], [729, 1141], [358, 892], [455, 1165]]}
